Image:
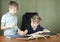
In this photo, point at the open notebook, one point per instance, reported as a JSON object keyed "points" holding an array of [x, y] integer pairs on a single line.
{"points": [[30, 36], [26, 37]]}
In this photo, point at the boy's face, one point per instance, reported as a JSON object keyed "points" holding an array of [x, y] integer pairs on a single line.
{"points": [[12, 10], [35, 22]]}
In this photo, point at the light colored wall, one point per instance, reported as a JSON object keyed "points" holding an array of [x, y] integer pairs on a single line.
{"points": [[47, 11], [0, 8], [3, 10], [57, 2], [0, 14]]}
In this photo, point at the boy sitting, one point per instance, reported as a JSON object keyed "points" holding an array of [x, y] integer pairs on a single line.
{"points": [[34, 27]]}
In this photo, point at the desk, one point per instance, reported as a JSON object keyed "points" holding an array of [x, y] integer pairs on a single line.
{"points": [[50, 39]]}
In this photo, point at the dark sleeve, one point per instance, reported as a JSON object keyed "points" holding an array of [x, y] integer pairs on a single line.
{"points": [[28, 28], [30, 31]]}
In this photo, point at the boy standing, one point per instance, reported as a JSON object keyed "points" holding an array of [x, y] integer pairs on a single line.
{"points": [[9, 20]]}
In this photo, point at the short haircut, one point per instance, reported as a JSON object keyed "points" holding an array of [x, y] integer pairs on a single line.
{"points": [[13, 3]]}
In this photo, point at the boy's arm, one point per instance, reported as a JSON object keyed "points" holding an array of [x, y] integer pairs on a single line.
{"points": [[3, 27], [45, 30], [3, 22], [22, 33]]}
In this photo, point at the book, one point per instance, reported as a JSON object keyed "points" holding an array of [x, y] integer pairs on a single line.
{"points": [[31, 36]]}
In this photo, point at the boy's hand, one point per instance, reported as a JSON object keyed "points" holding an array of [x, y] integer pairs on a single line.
{"points": [[46, 30], [39, 32], [22, 33]]}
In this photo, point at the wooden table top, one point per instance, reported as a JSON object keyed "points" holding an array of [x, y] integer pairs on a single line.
{"points": [[50, 39]]}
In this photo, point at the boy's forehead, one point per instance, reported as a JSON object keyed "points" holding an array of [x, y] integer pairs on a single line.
{"points": [[13, 7], [35, 17], [36, 20]]}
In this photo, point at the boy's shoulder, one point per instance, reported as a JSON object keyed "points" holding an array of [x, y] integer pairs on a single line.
{"points": [[7, 15], [4, 15]]}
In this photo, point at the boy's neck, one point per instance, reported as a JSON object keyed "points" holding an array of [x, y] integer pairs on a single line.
{"points": [[34, 28]]}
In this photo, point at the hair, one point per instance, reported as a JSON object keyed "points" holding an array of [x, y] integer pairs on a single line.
{"points": [[13, 3]]}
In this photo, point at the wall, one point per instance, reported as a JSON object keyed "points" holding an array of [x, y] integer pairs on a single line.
{"points": [[0, 17], [4, 9], [46, 10], [0, 8], [57, 2]]}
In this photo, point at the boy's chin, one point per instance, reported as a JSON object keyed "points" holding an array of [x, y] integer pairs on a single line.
{"points": [[35, 27]]}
